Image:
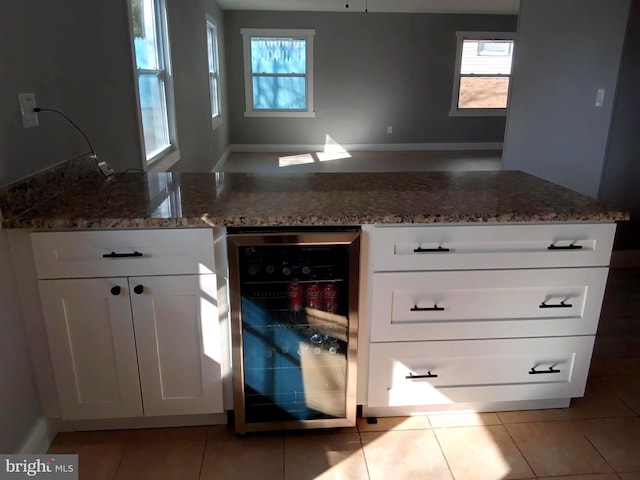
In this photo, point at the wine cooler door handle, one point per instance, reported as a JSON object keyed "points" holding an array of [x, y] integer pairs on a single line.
{"points": [[435, 308], [437, 250], [411, 376]]}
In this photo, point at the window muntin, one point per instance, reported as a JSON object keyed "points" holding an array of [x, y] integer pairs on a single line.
{"points": [[214, 72], [153, 74], [278, 72], [483, 73]]}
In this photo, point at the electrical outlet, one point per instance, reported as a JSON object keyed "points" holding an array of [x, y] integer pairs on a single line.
{"points": [[105, 168], [27, 103], [389, 129]]}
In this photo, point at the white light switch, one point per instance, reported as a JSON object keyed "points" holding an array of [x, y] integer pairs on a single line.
{"points": [[600, 97]]}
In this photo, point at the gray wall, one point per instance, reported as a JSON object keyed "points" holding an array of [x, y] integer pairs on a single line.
{"points": [[200, 148], [83, 67], [565, 51], [621, 174], [371, 70], [19, 407]]}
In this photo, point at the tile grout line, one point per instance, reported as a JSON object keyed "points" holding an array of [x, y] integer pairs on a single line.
{"points": [[435, 435], [364, 455], [504, 425], [598, 451]]}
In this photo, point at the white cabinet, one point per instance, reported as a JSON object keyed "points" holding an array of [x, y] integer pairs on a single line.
{"points": [[132, 345], [482, 314], [93, 348]]}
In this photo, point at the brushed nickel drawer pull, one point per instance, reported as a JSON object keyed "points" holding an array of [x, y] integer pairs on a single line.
{"points": [[411, 376], [423, 250], [557, 305], [565, 247], [533, 371], [435, 308]]}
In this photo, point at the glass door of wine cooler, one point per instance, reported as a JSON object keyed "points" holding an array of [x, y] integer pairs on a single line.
{"points": [[294, 329]]}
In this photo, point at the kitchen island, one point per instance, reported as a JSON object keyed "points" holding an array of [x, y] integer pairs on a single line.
{"points": [[478, 290]]}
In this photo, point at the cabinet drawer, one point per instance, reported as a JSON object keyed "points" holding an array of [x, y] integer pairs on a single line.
{"points": [[438, 373], [122, 252], [469, 247], [486, 304]]}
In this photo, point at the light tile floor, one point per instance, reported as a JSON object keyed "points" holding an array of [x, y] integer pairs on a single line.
{"points": [[596, 438]]}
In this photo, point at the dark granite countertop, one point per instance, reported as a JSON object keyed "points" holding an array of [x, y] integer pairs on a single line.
{"points": [[138, 200]]}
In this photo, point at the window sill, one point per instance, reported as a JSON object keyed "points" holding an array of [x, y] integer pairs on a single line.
{"points": [[164, 160], [479, 112], [271, 113], [215, 122]]}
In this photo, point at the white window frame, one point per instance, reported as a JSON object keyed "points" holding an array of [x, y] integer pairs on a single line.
{"points": [[213, 59], [159, 160], [477, 112], [308, 35]]}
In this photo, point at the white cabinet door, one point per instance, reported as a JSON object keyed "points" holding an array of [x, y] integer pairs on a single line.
{"points": [[178, 341], [93, 350]]}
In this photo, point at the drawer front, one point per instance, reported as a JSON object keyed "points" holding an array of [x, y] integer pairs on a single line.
{"points": [[486, 304], [122, 252], [469, 247], [440, 373]]}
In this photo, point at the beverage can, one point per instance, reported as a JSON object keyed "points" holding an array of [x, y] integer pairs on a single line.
{"points": [[330, 298], [313, 296], [294, 292]]}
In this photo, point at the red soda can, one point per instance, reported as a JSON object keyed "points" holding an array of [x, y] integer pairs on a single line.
{"points": [[330, 298], [313, 296], [294, 292]]}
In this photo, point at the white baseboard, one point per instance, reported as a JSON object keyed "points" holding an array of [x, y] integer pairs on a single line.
{"points": [[221, 160], [365, 147], [145, 422], [40, 437]]}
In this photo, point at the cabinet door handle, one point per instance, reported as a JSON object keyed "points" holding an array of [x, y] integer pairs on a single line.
{"points": [[411, 376], [121, 255], [555, 305], [435, 308], [533, 371], [138, 289], [564, 247], [116, 290], [423, 250]]}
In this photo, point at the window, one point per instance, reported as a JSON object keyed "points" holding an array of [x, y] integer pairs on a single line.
{"points": [[153, 76], [214, 72], [483, 72], [278, 69]]}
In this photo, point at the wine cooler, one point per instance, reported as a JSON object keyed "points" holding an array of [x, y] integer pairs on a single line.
{"points": [[294, 315]]}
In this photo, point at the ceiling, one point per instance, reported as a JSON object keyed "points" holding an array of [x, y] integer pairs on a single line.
{"points": [[406, 6]]}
